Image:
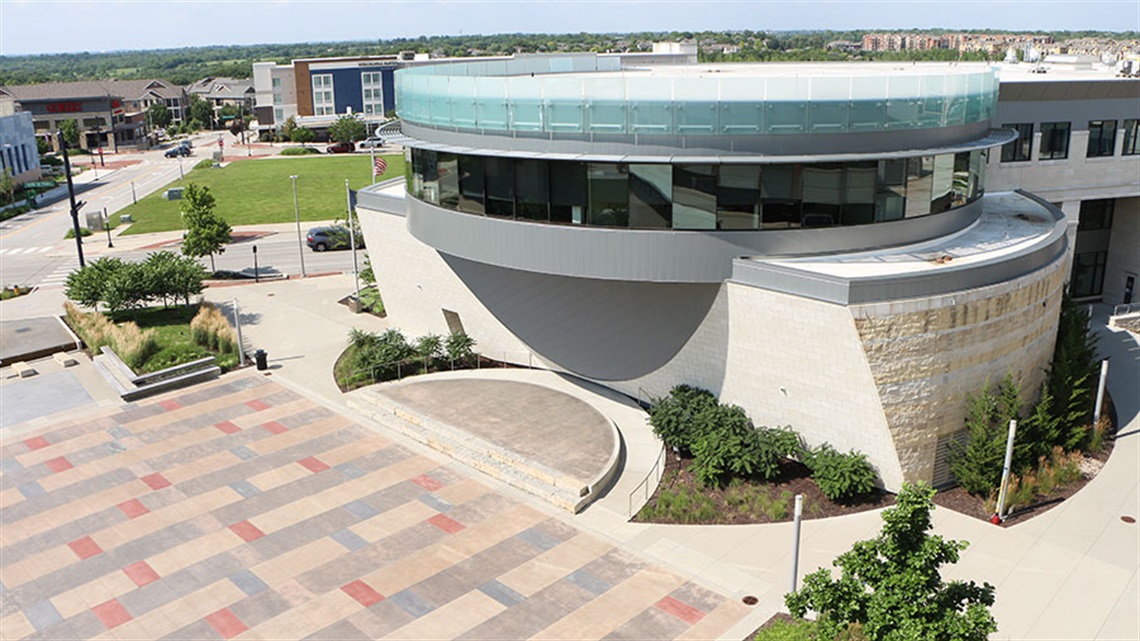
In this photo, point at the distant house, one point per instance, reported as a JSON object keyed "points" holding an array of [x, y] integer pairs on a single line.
{"points": [[222, 92]]}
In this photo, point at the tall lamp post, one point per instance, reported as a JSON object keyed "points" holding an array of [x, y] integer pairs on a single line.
{"points": [[297, 213], [71, 197]]}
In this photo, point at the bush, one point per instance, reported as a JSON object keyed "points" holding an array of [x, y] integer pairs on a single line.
{"points": [[204, 164], [776, 444], [83, 232], [210, 329], [840, 476], [132, 344], [677, 419], [299, 151], [978, 463], [728, 446], [459, 348]]}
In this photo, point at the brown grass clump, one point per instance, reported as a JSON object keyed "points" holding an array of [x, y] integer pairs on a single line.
{"points": [[133, 345], [210, 329]]}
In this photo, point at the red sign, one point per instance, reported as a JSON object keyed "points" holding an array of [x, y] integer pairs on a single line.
{"points": [[220, 143], [64, 107]]}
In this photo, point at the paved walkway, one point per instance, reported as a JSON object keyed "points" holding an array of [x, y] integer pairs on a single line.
{"points": [[1070, 573]]}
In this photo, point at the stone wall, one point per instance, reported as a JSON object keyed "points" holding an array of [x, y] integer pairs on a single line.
{"points": [[927, 356]]}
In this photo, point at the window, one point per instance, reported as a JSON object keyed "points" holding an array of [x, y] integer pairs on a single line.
{"points": [[323, 104], [1088, 274], [1102, 138], [609, 194], [276, 84], [373, 103], [1021, 149], [651, 196], [1054, 140], [277, 99], [1096, 214], [1131, 138], [279, 115]]}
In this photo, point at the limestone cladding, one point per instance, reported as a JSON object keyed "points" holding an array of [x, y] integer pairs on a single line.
{"points": [[1123, 252], [927, 356]]}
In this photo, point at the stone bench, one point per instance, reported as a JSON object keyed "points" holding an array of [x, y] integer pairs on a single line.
{"points": [[130, 386], [64, 359], [23, 369]]}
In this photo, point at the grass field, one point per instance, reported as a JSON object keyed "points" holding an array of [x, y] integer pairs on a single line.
{"points": [[249, 192]]}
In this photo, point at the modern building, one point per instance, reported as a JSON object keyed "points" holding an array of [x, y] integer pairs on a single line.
{"points": [[109, 113], [821, 244], [18, 152]]}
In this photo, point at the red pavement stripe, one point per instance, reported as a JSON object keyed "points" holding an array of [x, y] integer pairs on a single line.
{"points": [[247, 531], [170, 404], [273, 427], [427, 482], [58, 464], [313, 464], [446, 523], [226, 623], [681, 610], [141, 573], [257, 405], [227, 427], [155, 481], [36, 443], [111, 613], [363, 593], [133, 508], [85, 548]]}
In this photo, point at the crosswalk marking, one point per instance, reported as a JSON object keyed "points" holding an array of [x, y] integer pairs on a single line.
{"points": [[12, 251], [57, 278]]}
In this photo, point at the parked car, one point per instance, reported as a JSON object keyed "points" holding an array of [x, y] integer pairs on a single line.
{"points": [[340, 148], [371, 143], [180, 150], [321, 238]]}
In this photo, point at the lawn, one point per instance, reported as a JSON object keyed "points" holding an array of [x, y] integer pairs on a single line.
{"points": [[172, 331], [250, 192]]}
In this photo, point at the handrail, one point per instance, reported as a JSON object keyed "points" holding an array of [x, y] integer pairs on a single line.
{"points": [[1125, 309], [657, 469], [419, 364]]}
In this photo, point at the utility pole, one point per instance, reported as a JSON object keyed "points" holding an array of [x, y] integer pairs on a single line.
{"points": [[297, 213], [71, 198]]}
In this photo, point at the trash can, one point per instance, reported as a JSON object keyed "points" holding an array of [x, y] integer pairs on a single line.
{"points": [[260, 356]]}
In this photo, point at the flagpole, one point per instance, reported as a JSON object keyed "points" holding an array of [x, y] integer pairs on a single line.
{"points": [[373, 167]]}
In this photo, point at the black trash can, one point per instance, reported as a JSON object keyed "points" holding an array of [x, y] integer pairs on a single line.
{"points": [[261, 357]]}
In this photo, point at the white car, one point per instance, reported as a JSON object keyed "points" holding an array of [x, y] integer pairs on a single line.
{"points": [[370, 143]]}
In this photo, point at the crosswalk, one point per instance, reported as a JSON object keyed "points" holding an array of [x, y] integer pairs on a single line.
{"points": [[58, 278], [25, 251]]}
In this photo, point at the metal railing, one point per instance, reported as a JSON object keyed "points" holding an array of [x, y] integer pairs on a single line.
{"points": [[1125, 309], [650, 481]]}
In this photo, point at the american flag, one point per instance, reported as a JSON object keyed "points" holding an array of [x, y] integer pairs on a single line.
{"points": [[379, 166]]}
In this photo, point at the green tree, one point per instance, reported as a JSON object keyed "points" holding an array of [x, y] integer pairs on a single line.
{"points": [[679, 418], [459, 347], [201, 110], [158, 115], [977, 463], [302, 135], [1073, 374], [85, 285], [70, 131], [288, 127], [206, 232], [892, 585], [7, 186], [348, 128]]}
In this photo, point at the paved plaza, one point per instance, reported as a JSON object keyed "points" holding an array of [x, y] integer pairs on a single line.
{"points": [[241, 509]]}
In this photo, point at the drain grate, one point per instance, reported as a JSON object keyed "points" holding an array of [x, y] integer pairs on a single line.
{"points": [[1128, 519], [750, 600]]}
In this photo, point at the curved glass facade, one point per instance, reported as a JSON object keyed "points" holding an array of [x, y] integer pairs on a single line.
{"points": [[696, 196], [562, 96]]}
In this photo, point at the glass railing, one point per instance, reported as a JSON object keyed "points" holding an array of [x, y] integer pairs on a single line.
{"points": [[562, 95]]}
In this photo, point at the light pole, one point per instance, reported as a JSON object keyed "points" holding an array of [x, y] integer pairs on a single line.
{"points": [[133, 196], [181, 176], [297, 213], [75, 205], [107, 226]]}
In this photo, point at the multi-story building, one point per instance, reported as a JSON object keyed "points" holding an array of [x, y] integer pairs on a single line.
{"points": [[224, 92], [816, 243], [109, 113], [18, 153]]}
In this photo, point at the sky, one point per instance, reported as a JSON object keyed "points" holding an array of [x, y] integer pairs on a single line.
{"points": [[65, 26]]}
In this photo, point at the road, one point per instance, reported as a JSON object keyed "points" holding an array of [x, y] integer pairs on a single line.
{"points": [[33, 251]]}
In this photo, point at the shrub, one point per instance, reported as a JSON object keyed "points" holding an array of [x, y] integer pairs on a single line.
{"points": [[299, 151], [728, 446], [841, 476], [798, 630], [1073, 373], [132, 344], [775, 444], [459, 347], [204, 164], [977, 465], [83, 232], [429, 347], [677, 419]]}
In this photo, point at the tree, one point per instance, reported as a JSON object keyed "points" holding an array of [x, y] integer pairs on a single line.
{"points": [[891, 584], [977, 464], [302, 135], [158, 115], [1073, 373], [7, 186], [85, 285], [288, 127], [206, 232], [201, 110], [70, 131], [348, 128]]}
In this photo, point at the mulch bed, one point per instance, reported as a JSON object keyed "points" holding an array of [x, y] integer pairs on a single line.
{"points": [[963, 502], [793, 478]]}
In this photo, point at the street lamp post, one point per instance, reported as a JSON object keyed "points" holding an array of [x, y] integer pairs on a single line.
{"points": [[107, 226], [297, 213], [71, 197], [133, 196]]}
